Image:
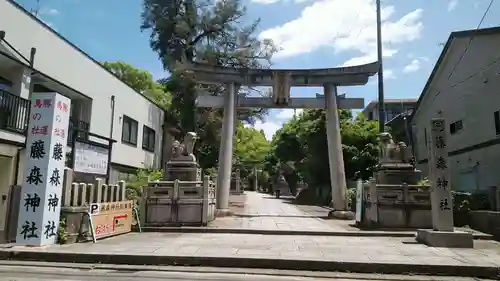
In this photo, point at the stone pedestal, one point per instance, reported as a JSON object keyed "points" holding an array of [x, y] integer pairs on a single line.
{"points": [[77, 224], [393, 199], [183, 171], [449, 239], [397, 174]]}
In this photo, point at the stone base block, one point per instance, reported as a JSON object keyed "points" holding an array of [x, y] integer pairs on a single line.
{"points": [[448, 239], [223, 213], [341, 215]]}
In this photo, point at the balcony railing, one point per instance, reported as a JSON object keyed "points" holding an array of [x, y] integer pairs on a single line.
{"points": [[14, 112], [80, 125]]}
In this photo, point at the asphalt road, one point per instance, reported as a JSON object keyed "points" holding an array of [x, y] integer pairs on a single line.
{"points": [[64, 272], [61, 274]]}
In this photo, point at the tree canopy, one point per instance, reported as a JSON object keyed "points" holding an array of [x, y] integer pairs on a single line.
{"points": [[250, 145], [140, 80], [301, 145], [203, 31]]}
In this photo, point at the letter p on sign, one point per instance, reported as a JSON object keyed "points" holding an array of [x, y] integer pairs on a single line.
{"points": [[94, 209]]}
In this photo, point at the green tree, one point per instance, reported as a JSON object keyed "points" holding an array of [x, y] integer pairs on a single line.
{"points": [[301, 144], [203, 31], [250, 145], [140, 80], [250, 150]]}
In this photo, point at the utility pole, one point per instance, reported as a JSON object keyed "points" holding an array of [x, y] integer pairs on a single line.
{"points": [[381, 106]]}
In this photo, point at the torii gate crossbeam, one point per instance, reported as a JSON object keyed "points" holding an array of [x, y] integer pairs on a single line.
{"points": [[281, 81]]}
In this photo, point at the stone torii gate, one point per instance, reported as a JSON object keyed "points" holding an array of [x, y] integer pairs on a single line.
{"points": [[281, 81]]}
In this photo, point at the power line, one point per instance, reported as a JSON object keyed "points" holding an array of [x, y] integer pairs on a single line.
{"points": [[470, 40], [484, 14]]}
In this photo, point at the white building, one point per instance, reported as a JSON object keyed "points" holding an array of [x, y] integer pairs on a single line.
{"points": [[35, 58], [464, 89]]}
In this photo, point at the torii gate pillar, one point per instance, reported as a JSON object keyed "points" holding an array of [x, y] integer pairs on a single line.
{"points": [[335, 155], [226, 151]]}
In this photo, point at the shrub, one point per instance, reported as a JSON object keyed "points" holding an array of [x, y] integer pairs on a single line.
{"points": [[351, 198], [143, 176]]}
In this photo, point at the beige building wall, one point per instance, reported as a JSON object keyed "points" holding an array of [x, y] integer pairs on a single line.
{"points": [[465, 91]]}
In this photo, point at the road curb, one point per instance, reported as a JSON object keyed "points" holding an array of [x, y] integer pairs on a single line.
{"points": [[266, 263], [395, 234]]}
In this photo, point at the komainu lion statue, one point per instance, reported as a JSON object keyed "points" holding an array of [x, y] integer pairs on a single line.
{"points": [[392, 152], [185, 148]]}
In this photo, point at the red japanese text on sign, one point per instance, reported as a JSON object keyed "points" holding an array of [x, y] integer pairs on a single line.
{"points": [[45, 103], [62, 106], [101, 229], [39, 130]]}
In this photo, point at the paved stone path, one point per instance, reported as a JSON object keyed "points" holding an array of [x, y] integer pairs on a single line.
{"points": [[257, 211], [263, 211], [313, 248]]}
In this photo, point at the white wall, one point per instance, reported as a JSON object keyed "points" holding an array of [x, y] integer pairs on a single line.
{"points": [[470, 98], [59, 60]]}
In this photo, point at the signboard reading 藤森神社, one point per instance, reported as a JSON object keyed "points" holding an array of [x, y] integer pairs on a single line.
{"points": [[46, 142], [111, 218]]}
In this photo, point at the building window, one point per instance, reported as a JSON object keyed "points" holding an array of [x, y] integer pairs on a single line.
{"points": [[129, 130], [456, 127], [497, 122], [425, 137], [148, 139]]}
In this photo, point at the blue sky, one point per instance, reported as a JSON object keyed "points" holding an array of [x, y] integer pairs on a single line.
{"points": [[310, 33]]}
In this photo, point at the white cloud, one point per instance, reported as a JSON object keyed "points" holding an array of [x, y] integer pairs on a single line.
{"points": [[344, 26], [265, 1], [269, 128], [273, 124], [412, 67], [50, 12], [287, 114], [415, 64], [389, 74], [452, 4]]}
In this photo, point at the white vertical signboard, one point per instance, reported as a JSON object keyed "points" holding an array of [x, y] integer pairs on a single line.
{"points": [[441, 200], [46, 142]]}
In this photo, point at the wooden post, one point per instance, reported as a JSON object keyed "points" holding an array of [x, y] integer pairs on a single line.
{"points": [[205, 202], [82, 193], [67, 186], [99, 183], [122, 190]]}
